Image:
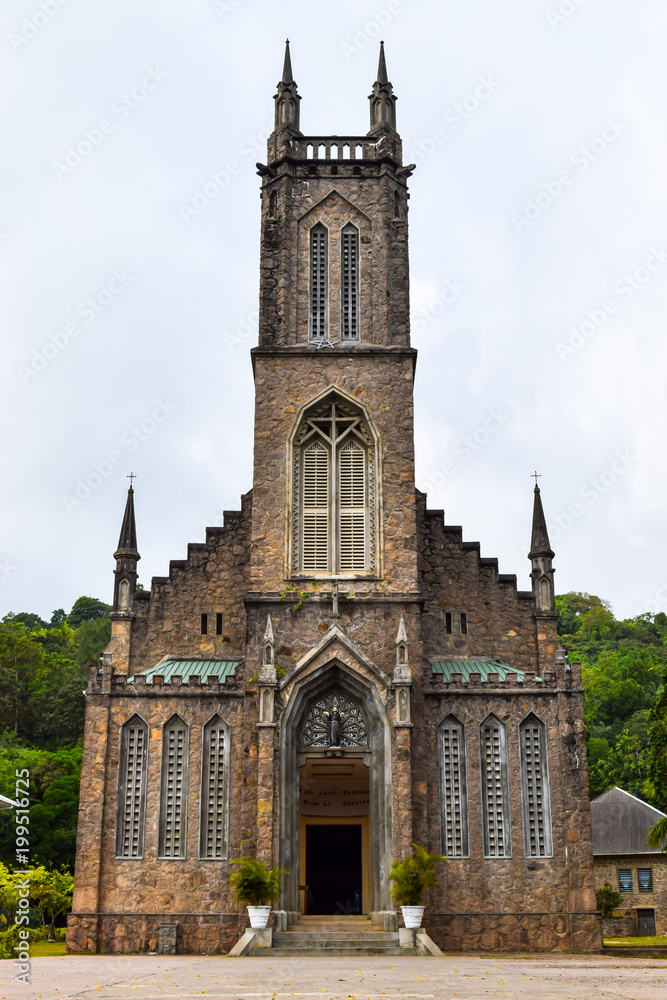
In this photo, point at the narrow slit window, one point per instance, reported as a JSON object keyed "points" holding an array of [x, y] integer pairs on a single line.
{"points": [[204, 624], [319, 281], [273, 204], [173, 796], [535, 788], [496, 828], [131, 802], [350, 283], [464, 623], [625, 879], [218, 623], [453, 801], [214, 807], [448, 622], [645, 879]]}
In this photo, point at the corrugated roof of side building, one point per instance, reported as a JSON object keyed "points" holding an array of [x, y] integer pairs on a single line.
{"points": [[620, 822]]}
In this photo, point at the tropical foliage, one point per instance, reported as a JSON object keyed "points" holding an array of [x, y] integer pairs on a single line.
{"points": [[255, 883], [413, 875]]}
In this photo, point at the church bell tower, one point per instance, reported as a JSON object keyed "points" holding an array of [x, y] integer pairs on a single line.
{"points": [[333, 493]]}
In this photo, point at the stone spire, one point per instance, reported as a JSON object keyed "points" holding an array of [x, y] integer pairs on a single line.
{"points": [[541, 555], [127, 557], [287, 99], [383, 101]]}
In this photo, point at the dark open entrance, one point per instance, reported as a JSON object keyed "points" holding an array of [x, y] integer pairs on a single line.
{"points": [[333, 868]]}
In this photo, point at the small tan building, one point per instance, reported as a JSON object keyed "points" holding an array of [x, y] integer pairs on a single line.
{"points": [[622, 857]]}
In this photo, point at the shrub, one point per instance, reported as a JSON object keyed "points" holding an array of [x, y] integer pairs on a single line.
{"points": [[255, 884], [607, 899], [413, 875]]}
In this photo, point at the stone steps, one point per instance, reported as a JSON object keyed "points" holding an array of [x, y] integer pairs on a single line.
{"points": [[330, 935]]}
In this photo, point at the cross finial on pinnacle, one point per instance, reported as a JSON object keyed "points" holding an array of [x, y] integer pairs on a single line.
{"points": [[132, 477], [535, 475]]}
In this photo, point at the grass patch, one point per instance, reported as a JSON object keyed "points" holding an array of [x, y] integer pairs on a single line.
{"points": [[46, 949], [642, 941]]}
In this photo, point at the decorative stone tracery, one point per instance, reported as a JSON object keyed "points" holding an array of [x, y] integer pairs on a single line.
{"points": [[334, 721]]}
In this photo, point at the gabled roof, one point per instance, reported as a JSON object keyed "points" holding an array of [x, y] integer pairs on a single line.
{"points": [[185, 669], [468, 667], [620, 822]]}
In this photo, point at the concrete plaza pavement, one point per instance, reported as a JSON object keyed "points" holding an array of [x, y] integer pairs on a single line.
{"points": [[469, 977]]}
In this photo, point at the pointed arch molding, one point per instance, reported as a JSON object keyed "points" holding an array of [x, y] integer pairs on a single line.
{"points": [[335, 644], [335, 675], [365, 433]]}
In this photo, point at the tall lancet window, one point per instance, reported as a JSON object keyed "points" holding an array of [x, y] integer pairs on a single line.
{"points": [[349, 286], [319, 281], [214, 807], [496, 820], [131, 802], [453, 800], [334, 491], [535, 788], [174, 789]]}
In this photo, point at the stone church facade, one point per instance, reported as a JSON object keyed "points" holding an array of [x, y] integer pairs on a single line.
{"points": [[334, 674]]}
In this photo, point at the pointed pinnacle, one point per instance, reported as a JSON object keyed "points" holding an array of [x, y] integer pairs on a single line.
{"points": [[268, 633], [127, 542], [287, 67], [402, 634], [382, 67], [539, 542]]}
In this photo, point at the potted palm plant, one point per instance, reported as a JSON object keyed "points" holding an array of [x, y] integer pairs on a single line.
{"points": [[257, 886], [411, 877]]}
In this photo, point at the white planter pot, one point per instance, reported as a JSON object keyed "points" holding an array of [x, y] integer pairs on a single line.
{"points": [[412, 916], [259, 915]]}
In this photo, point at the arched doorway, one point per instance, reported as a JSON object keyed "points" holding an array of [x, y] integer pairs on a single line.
{"points": [[335, 739]]}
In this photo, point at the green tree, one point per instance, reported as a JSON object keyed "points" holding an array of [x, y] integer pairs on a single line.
{"points": [[626, 766], [52, 891], [86, 609], [607, 899]]}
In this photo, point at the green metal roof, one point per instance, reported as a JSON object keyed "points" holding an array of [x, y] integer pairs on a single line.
{"points": [[468, 667], [185, 669]]}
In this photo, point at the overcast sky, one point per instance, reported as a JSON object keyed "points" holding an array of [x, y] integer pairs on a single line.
{"points": [[538, 229]]}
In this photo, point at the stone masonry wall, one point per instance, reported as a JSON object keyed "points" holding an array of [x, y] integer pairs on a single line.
{"points": [[380, 381], [606, 870], [213, 579]]}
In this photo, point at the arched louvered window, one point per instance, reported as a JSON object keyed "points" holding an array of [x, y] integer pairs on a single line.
{"points": [[349, 285], [352, 503], [214, 804], [453, 794], [174, 789], [535, 788], [319, 281], [316, 506], [334, 516], [131, 803], [496, 819]]}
